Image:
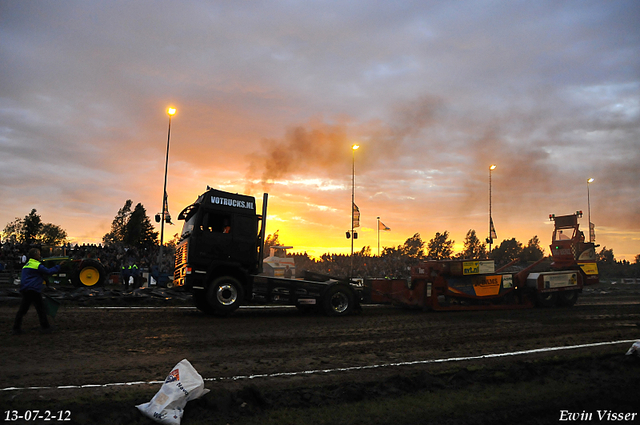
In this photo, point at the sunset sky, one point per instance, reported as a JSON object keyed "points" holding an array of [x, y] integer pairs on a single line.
{"points": [[271, 95]]}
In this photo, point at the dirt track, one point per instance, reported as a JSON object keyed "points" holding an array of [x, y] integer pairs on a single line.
{"points": [[104, 346]]}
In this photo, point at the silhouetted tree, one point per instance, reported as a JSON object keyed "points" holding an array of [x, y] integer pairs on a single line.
{"points": [[509, 250], [31, 228], [13, 231], [473, 247], [118, 225], [440, 247], [269, 241], [173, 243], [139, 230], [605, 256], [52, 234], [365, 251], [413, 247], [533, 251]]}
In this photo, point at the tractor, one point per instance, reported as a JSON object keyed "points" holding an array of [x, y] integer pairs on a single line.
{"points": [[80, 272]]}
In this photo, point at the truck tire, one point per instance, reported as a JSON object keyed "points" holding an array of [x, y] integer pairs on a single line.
{"points": [[89, 274], [338, 301], [547, 299], [224, 295], [199, 299], [567, 298]]}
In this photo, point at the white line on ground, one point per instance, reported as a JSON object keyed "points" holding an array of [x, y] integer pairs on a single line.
{"points": [[341, 369], [242, 307], [418, 362]]}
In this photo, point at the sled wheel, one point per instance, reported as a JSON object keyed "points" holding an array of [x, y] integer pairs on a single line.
{"points": [[224, 295], [549, 299], [90, 273], [567, 298], [338, 301]]}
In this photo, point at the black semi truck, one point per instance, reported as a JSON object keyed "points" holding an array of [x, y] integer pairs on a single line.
{"points": [[219, 259]]}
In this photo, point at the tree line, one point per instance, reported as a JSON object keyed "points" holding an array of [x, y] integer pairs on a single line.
{"points": [[132, 228], [30, 230], [395, 262]]}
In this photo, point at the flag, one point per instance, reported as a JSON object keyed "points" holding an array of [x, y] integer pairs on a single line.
{"points": [[356, 216], [492, 230], [381, 226], [592, 232]]}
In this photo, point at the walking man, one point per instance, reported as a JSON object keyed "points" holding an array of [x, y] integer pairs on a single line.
{"points": [[31, 284]]}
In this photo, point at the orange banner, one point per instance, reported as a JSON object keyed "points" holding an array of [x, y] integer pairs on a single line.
{"points": [[487, 285]]}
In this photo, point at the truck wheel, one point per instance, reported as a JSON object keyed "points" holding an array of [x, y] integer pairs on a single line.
{"points": [[548, 299], [224, 295], [338, 301], [200, 301], [567, 298], [89, 274]]}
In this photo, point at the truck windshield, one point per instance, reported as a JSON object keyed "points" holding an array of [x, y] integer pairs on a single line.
{"points": [[188, 215]]}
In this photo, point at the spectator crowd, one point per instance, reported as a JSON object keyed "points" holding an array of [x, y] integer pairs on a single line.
{"points": [[14, 256]]}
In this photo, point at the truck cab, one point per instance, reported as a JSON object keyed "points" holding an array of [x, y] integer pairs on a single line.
{"points": [[220, 229]]}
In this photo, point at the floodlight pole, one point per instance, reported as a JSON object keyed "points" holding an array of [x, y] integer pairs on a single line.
{"points": [[590, 180], [353, 199], [491, 168], [171, 112]]}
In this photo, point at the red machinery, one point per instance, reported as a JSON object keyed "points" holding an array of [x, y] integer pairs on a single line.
{"points": [[569, 249], [477, 285]]}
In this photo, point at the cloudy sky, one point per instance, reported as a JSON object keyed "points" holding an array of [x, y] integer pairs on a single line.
{"points": [[271, 95]]}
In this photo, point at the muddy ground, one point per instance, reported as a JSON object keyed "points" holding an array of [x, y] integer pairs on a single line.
{"points": [[243, 358]]}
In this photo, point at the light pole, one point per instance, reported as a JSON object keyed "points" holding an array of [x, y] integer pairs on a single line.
{"points": [[590, 180], [171, 112], [353, 199], [378, 218], [491, 229]]}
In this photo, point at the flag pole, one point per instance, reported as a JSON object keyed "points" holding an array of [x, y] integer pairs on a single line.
{"points": [[491, 168], [353, 199], [378, 236]]}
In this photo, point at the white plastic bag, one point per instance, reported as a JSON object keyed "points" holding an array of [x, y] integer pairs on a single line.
{"points": [[182, 385], [635, 348]]}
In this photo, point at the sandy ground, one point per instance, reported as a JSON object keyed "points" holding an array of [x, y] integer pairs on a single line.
{"points": [[245, 355]]}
